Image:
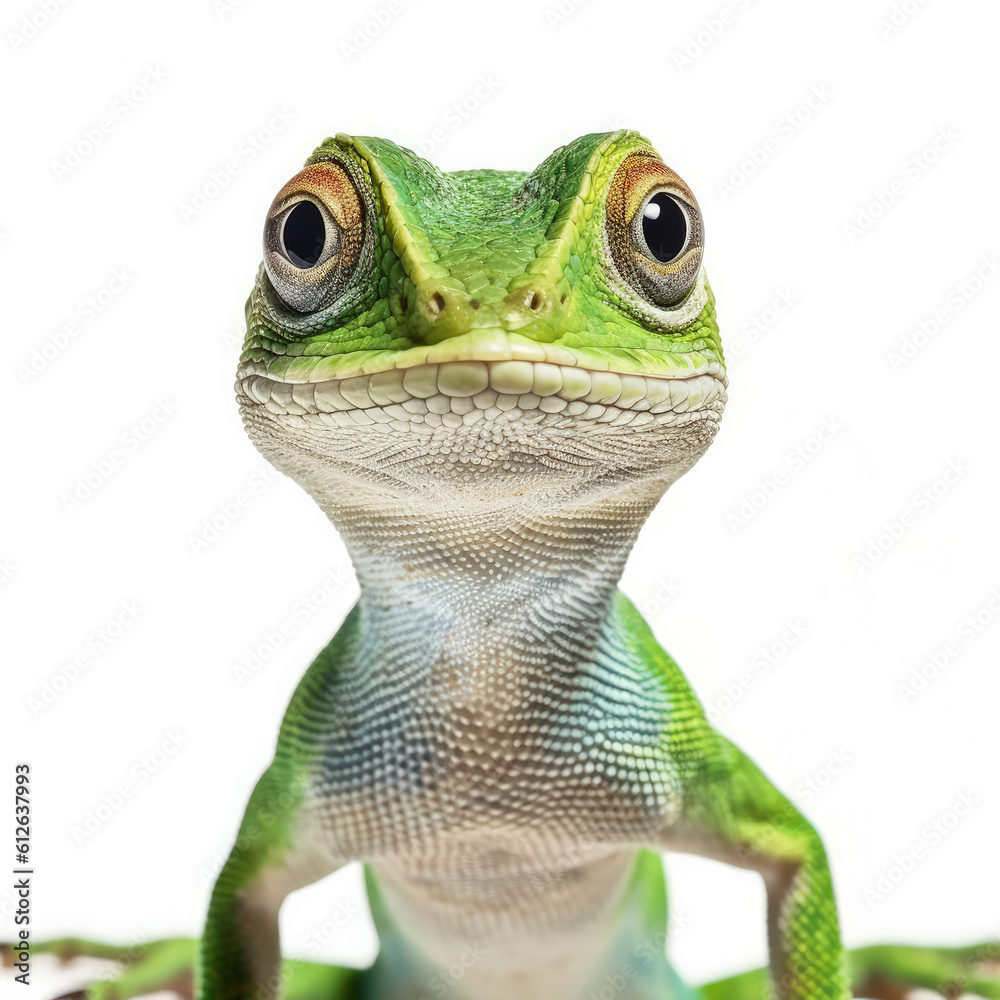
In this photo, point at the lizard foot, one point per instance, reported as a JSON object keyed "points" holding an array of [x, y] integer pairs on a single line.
{"points": [[134, 970], [896, 972], [169, 965]]}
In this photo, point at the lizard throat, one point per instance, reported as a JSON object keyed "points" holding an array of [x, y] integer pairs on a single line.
{"points": [[476, 597], [481, 492]]}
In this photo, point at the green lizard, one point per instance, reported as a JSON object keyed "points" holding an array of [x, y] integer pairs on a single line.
{"points": [[487, 380]]}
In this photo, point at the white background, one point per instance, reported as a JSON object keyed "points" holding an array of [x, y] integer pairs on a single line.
{"points": [[240, 94]]}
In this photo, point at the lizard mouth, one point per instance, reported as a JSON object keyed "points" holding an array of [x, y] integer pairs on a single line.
{"points": [[462, 393], [496, 431]]}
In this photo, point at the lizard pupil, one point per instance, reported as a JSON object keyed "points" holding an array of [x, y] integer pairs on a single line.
{"points": [[665, 227], [304, 234]]}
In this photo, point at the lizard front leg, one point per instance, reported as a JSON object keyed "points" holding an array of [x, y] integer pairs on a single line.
{"points": [[277, 851], [732, 813], [281, 846], [728, 810]]}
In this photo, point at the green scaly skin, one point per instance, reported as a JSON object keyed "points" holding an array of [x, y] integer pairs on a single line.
{"points": [[487, 380]]}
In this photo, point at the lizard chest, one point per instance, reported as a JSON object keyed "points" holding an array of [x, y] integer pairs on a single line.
{"points": [[499, 771]]}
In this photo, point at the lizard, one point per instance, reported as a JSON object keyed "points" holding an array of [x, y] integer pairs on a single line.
{"points": [[487, 380]]}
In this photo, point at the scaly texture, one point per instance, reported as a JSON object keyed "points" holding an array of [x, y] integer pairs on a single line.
{"points": [[488, 412], [487, 380]]}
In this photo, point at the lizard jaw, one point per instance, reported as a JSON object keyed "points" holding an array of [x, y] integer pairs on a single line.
{"points": [[470, 389], [507, 433]]}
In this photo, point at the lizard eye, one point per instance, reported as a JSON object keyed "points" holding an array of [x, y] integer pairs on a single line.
{"points": [[654, 230], [305, 237], [665, 227], [312, 237]]}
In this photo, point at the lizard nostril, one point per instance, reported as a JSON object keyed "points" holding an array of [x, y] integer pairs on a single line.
{"points": [[436, 304], [475, 303], [535, 296]]}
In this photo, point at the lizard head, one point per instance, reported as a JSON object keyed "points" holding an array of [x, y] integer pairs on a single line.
{"points": [[483, 337]]}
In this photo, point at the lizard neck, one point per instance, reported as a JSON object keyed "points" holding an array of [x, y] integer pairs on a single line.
{"points": [[522, 590]]}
